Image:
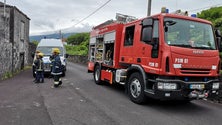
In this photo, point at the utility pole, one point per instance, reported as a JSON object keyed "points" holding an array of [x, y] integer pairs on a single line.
{"points": [[149, 7], [4, 7], [60, 34]]}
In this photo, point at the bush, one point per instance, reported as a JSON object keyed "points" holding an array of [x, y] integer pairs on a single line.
{"points": [[77, 49]]}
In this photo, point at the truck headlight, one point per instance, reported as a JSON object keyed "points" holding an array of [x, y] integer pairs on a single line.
{"points": [[215, 85], [166, 86]]}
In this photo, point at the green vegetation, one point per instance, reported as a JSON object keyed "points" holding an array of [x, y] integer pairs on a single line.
{"points": [[35, 42], [7, 75], [78, 44], [214, 15], [78, 38]]}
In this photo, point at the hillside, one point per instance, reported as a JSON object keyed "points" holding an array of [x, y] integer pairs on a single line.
{"points": [[55, 35]]}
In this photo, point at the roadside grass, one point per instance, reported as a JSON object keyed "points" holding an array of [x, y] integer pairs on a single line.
{"points": [[9, 74]]}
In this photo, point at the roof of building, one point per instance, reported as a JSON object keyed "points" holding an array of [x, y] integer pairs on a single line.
{"points": [[14, 7]]}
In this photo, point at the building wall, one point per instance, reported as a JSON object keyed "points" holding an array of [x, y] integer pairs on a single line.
{"points": [[5, 44], [13, 47], [21, 39]]}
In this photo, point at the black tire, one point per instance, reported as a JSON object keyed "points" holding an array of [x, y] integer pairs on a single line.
{"points": [[135, 88], [97, 75]]}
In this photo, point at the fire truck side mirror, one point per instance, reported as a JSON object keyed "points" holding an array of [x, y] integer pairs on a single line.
{"points": [[219, 43], [147, 34], [147, 22], [147, 29], [218, 38], [218, 33]]}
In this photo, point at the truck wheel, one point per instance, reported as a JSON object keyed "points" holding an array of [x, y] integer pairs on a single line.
{"points": [[97, 75], [135, 88]]}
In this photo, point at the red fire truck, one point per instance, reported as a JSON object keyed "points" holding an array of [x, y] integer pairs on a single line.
{"points": [[164, 56]]}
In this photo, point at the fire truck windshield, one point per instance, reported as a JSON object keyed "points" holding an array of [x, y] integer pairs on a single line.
{"points": [[190, 34]]}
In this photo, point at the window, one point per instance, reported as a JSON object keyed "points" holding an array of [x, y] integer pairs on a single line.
{"points": [[189, 34], [156, 29], [22, 31], [129, 36]]}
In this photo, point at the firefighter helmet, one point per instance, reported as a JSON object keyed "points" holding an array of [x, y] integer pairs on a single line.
{"points": [[40, 54], [37, 51], [56, 50]]}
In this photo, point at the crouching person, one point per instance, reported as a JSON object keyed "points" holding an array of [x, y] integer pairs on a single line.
{"points": [[56, 67], [39, 68]]}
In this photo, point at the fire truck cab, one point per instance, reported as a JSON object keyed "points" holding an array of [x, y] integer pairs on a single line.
{"points": [[164, 56]]}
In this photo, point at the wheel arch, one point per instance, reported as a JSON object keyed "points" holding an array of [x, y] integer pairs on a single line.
{"points": [[136, 68], [99, 64]]}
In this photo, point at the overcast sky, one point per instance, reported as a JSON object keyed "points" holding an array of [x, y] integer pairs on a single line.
{"points": [[55, 15]]}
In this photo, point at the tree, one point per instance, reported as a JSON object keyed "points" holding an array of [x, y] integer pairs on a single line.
{"points": [[78, 38], [35, 42], [214, 15], [81, 42]]}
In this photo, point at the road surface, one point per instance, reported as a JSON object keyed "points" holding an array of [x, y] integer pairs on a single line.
{"points": [[79, 101]]}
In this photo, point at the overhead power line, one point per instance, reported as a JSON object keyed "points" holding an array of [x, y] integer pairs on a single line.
{"points": [[92, 12], [206, 7]]}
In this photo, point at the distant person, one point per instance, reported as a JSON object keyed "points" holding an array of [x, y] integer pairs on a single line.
{"points": [[36, 54], [56, 67], [39, 68]]}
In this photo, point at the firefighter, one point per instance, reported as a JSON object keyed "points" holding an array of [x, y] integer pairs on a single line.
{"points": [[56, 67], [51, 58], [36, 54], [39, 68]]}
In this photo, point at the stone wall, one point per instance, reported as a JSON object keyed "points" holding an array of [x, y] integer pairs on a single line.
{"points": [[78, 59], [5, 44], [5, 58], [20, 38], [14, 40]]}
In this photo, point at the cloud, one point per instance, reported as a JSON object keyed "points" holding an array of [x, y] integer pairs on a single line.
{"points": [[54, 15], [84, 27]]}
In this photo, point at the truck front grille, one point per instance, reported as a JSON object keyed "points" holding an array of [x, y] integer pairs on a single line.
{"points": [[194, 71], [47, 67]]}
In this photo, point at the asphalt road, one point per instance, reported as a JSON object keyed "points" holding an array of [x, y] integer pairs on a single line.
{"points": [[79, 101]]}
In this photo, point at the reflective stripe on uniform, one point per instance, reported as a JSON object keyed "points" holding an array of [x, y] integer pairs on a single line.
{"points": [[56, 73], [39, 69], [56, 82]]}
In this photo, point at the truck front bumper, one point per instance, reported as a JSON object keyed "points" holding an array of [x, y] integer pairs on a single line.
{"points": [[178, 89]]}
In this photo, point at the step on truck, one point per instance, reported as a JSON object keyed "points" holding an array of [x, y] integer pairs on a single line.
{"points": [[165, 56]]}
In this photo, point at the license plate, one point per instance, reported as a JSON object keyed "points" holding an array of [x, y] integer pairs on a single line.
{"points": [[197, 86]]}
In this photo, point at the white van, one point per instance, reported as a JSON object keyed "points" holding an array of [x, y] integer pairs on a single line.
{"points": [[45, 46]]}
